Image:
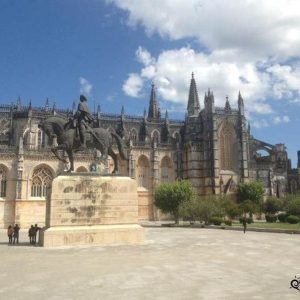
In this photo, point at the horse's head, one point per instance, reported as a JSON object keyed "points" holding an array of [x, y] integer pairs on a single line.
{"points": [[52, 126]]}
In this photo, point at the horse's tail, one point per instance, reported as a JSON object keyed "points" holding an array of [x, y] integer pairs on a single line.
{"points": [[121, 146]]}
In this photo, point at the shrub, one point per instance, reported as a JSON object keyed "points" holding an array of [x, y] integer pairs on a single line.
{"points": [[216, 220], [292, 219], [293, 206], [228, 222], [282, 217], [271, 218]]}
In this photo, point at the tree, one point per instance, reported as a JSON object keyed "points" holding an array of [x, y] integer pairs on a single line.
{"points": [[293, 206], [272, 205], [169, 196], [252, 191]]}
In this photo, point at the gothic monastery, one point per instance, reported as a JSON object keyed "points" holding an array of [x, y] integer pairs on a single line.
{"points": [[213, 148]]}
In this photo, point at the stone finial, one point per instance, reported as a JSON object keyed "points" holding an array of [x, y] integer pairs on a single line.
{"points": [[227, 105]]}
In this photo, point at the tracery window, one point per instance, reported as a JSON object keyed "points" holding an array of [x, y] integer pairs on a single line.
{"points": [[41, 182], [228, 148], [143, 172], [3, 174], [167, 171]]}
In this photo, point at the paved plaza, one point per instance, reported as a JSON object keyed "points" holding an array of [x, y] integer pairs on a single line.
{"points": [[174, 263]]}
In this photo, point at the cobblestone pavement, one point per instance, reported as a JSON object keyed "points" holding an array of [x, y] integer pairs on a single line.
{"points": [[174, 263]]}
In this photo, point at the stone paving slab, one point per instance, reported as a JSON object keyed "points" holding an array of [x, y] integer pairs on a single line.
{"points": [[174, 263]]}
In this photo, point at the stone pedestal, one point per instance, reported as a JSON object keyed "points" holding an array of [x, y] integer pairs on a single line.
{"points": [[86, 209]]}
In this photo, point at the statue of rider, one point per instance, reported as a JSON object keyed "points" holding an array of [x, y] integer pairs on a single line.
{"points": [[83, 117]]}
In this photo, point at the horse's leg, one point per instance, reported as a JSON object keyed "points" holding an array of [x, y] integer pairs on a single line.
{"points": [[115, 159], [71, 159], [55, 152]]}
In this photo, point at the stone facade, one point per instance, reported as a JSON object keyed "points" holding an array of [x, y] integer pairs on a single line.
{"points": [[213, 148]]}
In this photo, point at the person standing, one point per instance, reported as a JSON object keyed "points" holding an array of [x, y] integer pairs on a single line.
{"points": [[244, 224], [16, 234], [10, 232], [36, 229], [31, 234]]}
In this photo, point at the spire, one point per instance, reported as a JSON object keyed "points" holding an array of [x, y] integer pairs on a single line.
{"points": [[54, 108], [74, 108], [122, 111], [227, 105], [167, 115], [193, 106], [30, 105], [145, 113], [241, 104], [153, 112], [47, 104], [18, 104]]}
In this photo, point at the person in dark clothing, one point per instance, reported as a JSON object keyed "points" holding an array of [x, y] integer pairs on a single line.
{"points": [[10, 232], [31, 234], [36, 229], [244, 224], [16, 234]]}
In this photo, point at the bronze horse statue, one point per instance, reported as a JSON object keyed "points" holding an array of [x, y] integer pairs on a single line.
{"points": [[68, 140]]}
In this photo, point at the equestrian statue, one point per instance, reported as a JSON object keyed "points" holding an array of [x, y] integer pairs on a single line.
{"points": [[78, 134]]}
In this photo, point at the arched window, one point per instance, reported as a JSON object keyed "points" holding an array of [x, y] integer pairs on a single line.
{"points": [[41, 182], [143, 172], [228, 147], [167, 171], [133, 135], [3, 175]]}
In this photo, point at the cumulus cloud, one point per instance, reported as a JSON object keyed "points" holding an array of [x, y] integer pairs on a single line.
{"points": [[259, 28], [260, 123], [281, 119], [133, 85], [251, 46], [85, 87], [171, 72]]}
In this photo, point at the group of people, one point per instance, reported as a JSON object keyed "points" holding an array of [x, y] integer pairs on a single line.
{"points": [[32, 233], [13, 234]]}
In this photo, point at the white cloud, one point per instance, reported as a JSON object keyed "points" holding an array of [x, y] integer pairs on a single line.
{"points": [[85, 87], [252, 46], [144, 56], [256, 28], [281, 119], [171, 72], [133, 85], [260, 123]]}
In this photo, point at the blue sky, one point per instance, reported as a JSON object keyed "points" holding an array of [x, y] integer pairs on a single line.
{"points": [[112, 50]]}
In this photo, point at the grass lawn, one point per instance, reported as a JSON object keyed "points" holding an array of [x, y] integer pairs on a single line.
{"points": [[270, 225]]}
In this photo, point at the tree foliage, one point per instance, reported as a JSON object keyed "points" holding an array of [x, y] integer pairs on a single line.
{"points": [[252, 191], [169, 196], [272, 205], [293, 206]]}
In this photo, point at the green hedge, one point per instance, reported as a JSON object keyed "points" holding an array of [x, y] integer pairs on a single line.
{"points": [[292, 219]]}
